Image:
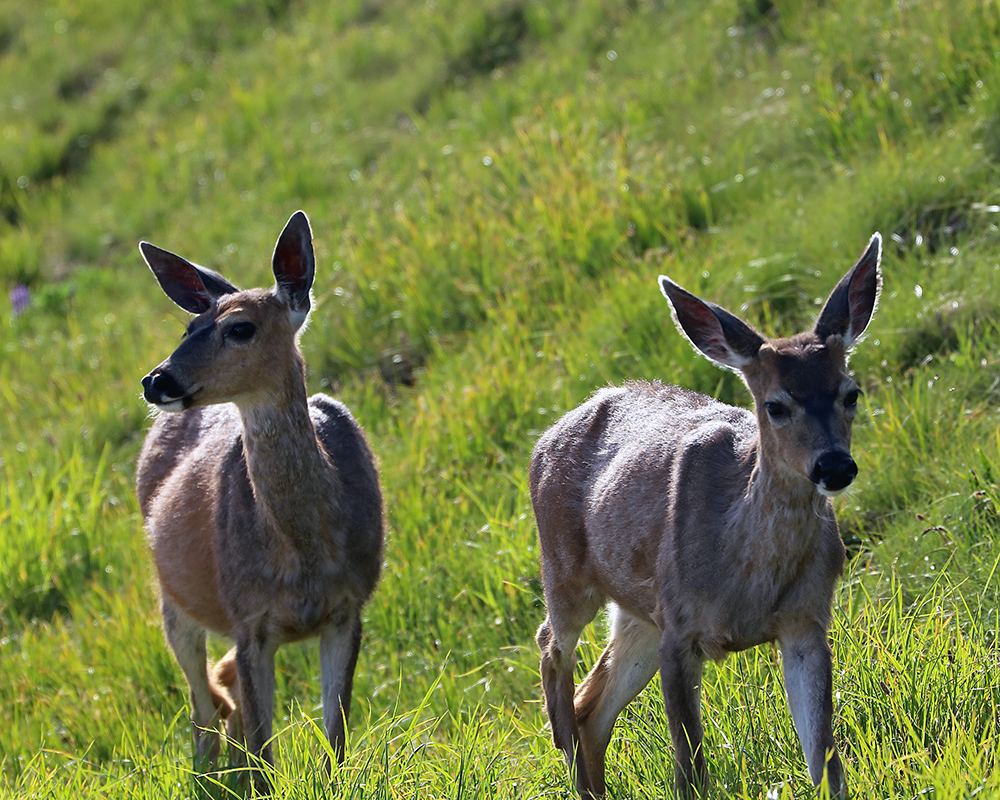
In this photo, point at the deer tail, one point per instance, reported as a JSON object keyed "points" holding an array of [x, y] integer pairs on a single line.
{"points": [[224, 683]]}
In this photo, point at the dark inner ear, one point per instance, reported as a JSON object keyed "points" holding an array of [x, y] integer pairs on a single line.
{"points": [[178, 278], [720, 335], [850, 306], [215, 283], [186, 288], [862, 295], [294, 262], [289, 255], [695, 317]]}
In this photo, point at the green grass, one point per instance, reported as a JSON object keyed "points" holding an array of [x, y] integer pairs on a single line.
{"points": [[494, 188]]}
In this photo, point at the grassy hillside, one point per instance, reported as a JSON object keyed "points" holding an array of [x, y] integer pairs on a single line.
{"points": [[493, 188]]}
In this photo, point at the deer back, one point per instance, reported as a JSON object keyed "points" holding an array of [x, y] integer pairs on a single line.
{"points": [[618, 476]]}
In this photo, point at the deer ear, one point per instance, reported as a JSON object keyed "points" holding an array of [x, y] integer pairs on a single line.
{"points": [[193, 288], [850, 306], [723, 337], [294, 266]]}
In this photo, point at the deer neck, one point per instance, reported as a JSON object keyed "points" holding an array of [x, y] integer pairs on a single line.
{"points": [[785, 508], [296, 488]]}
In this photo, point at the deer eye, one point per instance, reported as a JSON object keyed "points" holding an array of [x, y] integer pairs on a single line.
{"points": [[851, 399], [776, 410], [241, 331]]}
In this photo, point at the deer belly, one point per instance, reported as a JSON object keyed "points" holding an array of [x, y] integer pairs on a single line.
{"points": [[190, 580], [306, 612], [625, 572]]}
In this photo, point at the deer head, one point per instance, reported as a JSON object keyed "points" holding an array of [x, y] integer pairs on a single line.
{"points": [[239, 339], [804, 397]]}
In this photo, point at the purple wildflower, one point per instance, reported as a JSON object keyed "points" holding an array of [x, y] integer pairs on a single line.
{"points": [[19, 299]]}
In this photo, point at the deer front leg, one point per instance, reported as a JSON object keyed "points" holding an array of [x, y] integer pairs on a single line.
{"points": [[339, 646], [808, 672], [680, 673], [187, 639], [255, 668]]}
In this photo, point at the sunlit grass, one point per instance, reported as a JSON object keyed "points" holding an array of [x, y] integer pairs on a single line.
{"points": [[494, 188]]}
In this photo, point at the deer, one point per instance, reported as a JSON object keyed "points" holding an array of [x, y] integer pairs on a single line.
{"points": [[262, 507], [707, 529]]}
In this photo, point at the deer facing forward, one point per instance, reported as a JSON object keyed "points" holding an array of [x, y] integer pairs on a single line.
{"points": [[709, 527], [262, 507]]}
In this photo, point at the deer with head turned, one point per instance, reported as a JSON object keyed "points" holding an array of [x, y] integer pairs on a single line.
{"points": [[708, 527], [262, 506]]}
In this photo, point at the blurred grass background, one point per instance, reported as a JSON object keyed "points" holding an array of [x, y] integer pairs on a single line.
{"points": [[493, 188]]}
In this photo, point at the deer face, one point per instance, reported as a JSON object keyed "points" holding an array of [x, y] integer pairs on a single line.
{"points": [[806, 403], [804, 396], [240, 344], [230, 353]]}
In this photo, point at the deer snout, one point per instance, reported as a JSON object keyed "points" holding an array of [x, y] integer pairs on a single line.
{"points": [[160, 389], [833, 472]]}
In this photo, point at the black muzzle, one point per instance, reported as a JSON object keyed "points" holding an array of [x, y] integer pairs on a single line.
{"points": [[834, 471]]}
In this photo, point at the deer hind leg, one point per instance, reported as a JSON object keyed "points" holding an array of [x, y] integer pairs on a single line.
{"points": [[339, 646], [557, 639], [187, 639], [627, 664], [680, 673], [808, 669]]}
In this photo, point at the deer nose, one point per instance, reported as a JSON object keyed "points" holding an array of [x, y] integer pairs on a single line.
{"points": [[159, 386], [834, 471]]}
